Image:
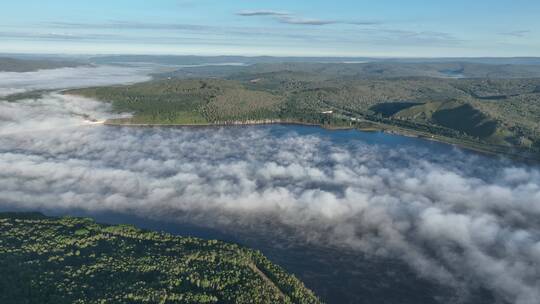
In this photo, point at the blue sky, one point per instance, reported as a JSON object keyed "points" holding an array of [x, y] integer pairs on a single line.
{"points": [[384, 28]]}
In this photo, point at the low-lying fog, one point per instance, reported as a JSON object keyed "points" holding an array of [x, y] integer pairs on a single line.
{"points": [[84, 76], [456, 217]]}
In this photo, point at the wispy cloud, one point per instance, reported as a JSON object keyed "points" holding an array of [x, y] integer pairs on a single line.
{"points": [[304, 21], [250, 13], [172, 31], [54, 36], [418, 36], [114, 24], [290, 18], [303, 31], [520, 33]]}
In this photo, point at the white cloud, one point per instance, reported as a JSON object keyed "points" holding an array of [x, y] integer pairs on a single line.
{"points": [[52, 112], [250, 13], [12, 82]]}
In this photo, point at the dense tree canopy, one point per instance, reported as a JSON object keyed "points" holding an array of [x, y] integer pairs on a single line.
{"points": [[75, 260]]}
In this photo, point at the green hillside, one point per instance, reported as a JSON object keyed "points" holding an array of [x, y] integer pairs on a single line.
{"points": [[74, 260], [188, 102], [488, 114], [462, 117], [29, 65]]}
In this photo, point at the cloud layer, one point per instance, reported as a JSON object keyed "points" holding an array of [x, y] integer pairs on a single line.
{"points": [[456, 217], [12, 82]]}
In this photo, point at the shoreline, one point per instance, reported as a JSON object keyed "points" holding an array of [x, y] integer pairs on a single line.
{"points": [[238, 124], [384, 129]]}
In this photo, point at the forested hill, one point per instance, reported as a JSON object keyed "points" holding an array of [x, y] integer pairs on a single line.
{"points": [[29, 65], [487, 114], [75, 260]]}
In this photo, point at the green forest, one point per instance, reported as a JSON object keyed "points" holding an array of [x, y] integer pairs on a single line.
{"points": [[485, 111], [75, 260]]}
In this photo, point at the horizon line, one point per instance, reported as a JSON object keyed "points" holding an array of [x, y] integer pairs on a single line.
{"points": [[2, 54]]}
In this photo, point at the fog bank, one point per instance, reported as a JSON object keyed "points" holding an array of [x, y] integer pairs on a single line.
{"points": [[64, 78]]}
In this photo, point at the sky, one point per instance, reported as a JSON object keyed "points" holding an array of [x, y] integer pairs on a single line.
{"points": [[384, 28]]}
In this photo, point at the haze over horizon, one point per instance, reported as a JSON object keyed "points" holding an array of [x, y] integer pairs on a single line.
{"points": [[278, 28]]}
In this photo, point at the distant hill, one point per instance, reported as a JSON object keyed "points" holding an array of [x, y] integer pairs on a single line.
{"points": [[199, 60], [376, 69], [29, 65], [74, 260]]}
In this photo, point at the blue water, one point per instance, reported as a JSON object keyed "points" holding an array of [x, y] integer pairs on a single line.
{"points": [[344, 137]]}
